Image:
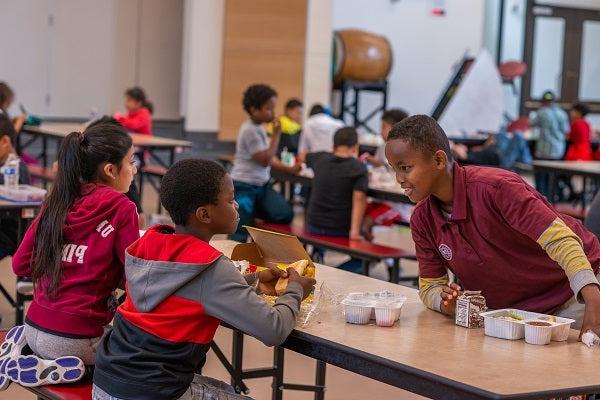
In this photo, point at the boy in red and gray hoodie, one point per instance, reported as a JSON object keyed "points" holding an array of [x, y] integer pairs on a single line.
{"points": [[180, 288]]}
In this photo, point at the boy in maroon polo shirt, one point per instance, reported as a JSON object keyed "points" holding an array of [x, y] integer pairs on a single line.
{"points": [[493, 231]]}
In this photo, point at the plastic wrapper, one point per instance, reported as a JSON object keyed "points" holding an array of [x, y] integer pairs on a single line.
{"points": [[590, 339]]}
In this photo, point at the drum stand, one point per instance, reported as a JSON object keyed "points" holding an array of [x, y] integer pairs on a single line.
{"points": [[353, 108]]}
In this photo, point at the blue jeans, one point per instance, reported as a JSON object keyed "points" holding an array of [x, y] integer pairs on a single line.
{"points": [[259, 202], [515, 149], [352, 265]]}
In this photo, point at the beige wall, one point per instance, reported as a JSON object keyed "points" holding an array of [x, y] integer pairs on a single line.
{"points": [[264, 42], [65, 57]]}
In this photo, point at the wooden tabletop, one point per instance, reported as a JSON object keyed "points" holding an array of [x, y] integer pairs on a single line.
{"points": [[5, 204], [60, 130], [430, 344], [573, 167]]}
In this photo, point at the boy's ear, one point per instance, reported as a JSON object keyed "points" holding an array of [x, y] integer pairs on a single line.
{"points": [[203, 215], [441, 159]]}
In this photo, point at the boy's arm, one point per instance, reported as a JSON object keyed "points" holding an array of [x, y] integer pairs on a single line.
{"points": [[265, 157], [359, 206], [526, 212], [132, 123], [225, 295], [433, 275], [286, 169]]}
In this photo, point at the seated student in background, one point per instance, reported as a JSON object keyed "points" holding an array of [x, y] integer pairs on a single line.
{"points": [[388, 119], [254, 156], [9, 226], [180, 288], [139, 112], [580, 134], [493, 231], [339, 192], [553, 125], [318, 131], [74, 252], [291, 126], [6, 98]]}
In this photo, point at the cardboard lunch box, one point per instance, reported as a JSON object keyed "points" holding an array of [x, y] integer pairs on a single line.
{"points": [[268, 248]]}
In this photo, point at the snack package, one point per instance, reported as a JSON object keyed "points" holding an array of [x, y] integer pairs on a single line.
{"points": [[468, 306], [590, 339]]}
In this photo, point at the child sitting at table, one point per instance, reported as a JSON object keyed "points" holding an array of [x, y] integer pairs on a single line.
{"points": [[389, 118], [493, 231], [180, 288], [580, 147], [9, 226], [139, 112], [319, 128], [291, 127], [254, 156], [339, 192], [74, 252]]}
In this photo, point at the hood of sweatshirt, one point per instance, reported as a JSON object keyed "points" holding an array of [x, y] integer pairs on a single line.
{"points": [[161, 262]]}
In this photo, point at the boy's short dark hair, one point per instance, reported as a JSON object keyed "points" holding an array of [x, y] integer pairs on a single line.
{"points": [[256, 96], [190, 184], [345, 136], [581, 108], [393, 115], [7, 128], [423, 133], [293, 103], [316, 109]]}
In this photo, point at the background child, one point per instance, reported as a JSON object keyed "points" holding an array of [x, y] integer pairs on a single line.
{"points": [[254, 156], [493, 231], [8, 226], [388, 119], [318, 131], [75, 251], [579, 135], [139, 112], [6, 99], [339, 192], [179, 289], [291, 127], [553, 124]]}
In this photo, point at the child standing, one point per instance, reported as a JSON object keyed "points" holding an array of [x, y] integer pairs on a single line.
{"points": [[179, 289], [139, 112], [493, 231], [339, 192], [579, 135], [74, 252], [254, 156], [8, 227]]}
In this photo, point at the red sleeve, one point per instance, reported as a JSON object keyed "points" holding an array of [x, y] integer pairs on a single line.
{"points": [[431, 263], [21, 261], [523, 208], [137, 122], [576, 133], [127, 230]]}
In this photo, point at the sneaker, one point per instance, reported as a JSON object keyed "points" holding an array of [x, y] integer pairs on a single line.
{"points": [[35, 371], [10, 349]]}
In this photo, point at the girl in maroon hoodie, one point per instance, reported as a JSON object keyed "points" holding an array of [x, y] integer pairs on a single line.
{"points": [[74, 252]]}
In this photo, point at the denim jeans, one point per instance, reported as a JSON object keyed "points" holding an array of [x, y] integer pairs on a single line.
{"points": [[259, 202]]}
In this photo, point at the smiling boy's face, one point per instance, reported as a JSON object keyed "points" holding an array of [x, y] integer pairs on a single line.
{"points": [[418, 173]]}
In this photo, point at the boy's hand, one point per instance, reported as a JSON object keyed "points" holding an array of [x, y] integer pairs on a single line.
{"points": [[308, 284], [591, 316], [355, 236], [276, 125], [295, 170], [449, 295], [268, 278]]}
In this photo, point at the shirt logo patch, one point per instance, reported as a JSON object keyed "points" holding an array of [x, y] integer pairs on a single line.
{"points": [[445, 251]]}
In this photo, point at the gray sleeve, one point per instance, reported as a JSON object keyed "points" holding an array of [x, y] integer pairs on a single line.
{"points": [[254, 140], [226, 295]]}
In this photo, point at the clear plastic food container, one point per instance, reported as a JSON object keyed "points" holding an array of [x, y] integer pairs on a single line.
{"points": [[499, 324], [385, 307], [23, 193]]}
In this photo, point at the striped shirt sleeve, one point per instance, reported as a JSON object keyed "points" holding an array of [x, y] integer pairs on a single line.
{"points": [[566, 248], [430, 291]]}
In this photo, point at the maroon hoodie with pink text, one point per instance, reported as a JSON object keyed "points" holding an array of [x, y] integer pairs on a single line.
{"points": [[99, 226]]}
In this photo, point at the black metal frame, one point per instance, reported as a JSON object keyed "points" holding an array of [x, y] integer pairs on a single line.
{"points": [[353, 108], [238, 374], [554, 172]]}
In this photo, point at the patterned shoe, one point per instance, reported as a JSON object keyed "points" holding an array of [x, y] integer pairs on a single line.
{"points": [[10, 349], [35, 371]]}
